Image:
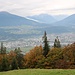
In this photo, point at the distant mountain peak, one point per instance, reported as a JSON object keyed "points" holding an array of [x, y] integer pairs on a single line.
{"points": [[8, 19], [44, 18], [68, 21], [71, 16], [4, 12]]}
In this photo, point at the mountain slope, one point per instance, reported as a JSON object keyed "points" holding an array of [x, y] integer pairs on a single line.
{"points": [[7, 19], [66, 25], [69, 21], [43, 18], [63, 26], [60, 17]]}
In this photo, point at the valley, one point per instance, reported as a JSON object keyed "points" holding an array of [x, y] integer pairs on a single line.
{"points": [[29, 43]]}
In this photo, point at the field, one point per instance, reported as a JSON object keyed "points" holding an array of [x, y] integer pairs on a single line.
{"points": [[40, 72]]}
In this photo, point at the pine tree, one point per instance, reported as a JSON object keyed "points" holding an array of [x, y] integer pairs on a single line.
{"points": [[20, 60], [3, 49], [19, 57], [17, 50], [4, 65], [46, 45], [57, 43], [14, 64]]}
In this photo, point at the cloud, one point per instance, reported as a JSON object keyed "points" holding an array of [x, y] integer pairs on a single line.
{"points": [[32, 7]]}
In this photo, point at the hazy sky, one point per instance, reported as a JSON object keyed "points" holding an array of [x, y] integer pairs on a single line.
{"points": [[34, 7]]}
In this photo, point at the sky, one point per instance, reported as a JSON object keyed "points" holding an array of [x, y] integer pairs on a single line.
{"points": [[35, 7]]}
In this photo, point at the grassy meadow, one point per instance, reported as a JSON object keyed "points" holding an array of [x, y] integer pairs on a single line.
{"points": [[40, 72]]}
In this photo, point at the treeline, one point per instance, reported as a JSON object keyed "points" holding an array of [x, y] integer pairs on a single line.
{"points": [[57, 58], [42, 57]]}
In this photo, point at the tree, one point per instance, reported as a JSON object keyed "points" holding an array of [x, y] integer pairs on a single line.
{"points": [[57, 43], [14, 64], [46, 45], [17, 50], [33, 59], [3, 49], [5, 64], [69, 54], [19, 57]]}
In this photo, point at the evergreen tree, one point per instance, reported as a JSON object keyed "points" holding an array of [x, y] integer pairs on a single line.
{"points": [[14, 64], [57, 43], [46, 45], [19, 57], [20, 60], [17, 50], [3, 49], [4, 65]]}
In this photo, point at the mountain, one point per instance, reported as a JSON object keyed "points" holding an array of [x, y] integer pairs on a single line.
{"points": [[43, 18], [66, 25], [14, 27], [69, 21], [63, 26], [60, 17], [7, 19]]}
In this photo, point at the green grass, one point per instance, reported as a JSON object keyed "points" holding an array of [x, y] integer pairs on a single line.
{"points": [[40, 72]]}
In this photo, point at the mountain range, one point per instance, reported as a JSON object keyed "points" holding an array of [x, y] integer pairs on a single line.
{"points": [[43, 18], [8, 19], [15, 27]]}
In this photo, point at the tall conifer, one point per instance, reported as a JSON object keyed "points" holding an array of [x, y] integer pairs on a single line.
{"points": [[46, 45]]}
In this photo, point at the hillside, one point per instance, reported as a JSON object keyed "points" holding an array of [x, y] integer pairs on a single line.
{"points": [[7, 19], [63, 26], [43, 18], [69, 21]]}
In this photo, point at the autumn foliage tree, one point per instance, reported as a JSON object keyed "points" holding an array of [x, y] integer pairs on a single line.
{"points": [[33, 56], [60, 58], [69, 55]]}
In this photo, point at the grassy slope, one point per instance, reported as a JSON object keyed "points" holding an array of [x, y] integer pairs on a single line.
{"points": [[39, 72]]}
